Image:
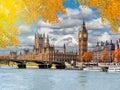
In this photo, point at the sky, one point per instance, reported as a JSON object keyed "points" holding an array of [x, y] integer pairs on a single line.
{"points": [[66, 31]]}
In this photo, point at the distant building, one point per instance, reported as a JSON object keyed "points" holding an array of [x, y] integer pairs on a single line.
{"points": [[100, 47]]}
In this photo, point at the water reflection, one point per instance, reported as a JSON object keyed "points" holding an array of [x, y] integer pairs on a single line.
{"points": [[83, 80]]}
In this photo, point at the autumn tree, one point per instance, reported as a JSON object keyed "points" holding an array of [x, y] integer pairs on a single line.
{"points": [[87, 56], [26, 11], [117, 55], [113, 55], [104, 54], [109, 10]]}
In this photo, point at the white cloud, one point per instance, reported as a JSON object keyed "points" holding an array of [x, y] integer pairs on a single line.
{"points": [[105, 36], [86, 12], [70, 11], [45, 30], [96, 24], [69, 40], [25, 30], [90, 44]]}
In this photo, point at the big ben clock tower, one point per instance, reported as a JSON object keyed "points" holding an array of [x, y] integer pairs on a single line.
{"points": [[82, 41]]}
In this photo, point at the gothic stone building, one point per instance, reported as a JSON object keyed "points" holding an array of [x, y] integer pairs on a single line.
{"points": [[44, 51]]}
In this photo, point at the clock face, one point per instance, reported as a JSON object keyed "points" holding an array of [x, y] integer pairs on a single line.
{"points": [[84, 35]]}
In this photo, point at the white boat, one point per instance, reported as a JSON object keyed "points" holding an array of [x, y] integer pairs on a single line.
{"points": [[92, 68], [114, 68]]}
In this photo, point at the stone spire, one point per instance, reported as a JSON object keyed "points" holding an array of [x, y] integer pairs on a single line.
{"points": [[106, 43], [36, 34], [102, 43], [20, 53], [117, 45], [111, 42], [84, 26], [64, 48], [44, 36], [97, 44], [47, 43]]}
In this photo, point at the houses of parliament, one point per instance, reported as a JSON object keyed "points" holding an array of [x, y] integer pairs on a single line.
{"points": [[43, 50]]}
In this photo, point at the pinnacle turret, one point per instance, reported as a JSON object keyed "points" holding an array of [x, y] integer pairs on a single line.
{"points": [[84, 26]]}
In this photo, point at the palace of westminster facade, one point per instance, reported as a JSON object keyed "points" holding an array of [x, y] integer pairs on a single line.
{"points": [[44, 51]]}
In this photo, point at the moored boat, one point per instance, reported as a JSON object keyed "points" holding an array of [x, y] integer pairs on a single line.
{"points": [[114, 68], [92, 68]]}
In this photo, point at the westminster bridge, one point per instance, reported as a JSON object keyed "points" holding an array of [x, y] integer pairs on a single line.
{"points": [[34, 63]]}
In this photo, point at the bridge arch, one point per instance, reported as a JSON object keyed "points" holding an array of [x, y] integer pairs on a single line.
{"points": [[58, 65], [13, 64], [32, 65]]}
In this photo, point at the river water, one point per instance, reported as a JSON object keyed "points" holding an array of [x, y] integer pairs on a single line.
{"points": [[45, 79]]}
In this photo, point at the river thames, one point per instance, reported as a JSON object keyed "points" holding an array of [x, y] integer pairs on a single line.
{"points": [[46, 79]]}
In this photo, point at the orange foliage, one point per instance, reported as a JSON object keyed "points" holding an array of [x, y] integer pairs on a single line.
{"points": [[117, 55], [87, 56], [103, 54], [46, 9], [113, 55], [27, 11], [109, 9]]}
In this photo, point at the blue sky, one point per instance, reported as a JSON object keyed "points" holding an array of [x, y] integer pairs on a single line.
{"points": [[66, 31]]}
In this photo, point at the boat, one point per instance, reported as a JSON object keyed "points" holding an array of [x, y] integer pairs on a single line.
{"points": [[114, 68], [92, 68]]}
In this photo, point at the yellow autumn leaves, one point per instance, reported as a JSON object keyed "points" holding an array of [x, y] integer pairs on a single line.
{"points": [[8, 18], [14, 11], [109, 9], [46, 9]]}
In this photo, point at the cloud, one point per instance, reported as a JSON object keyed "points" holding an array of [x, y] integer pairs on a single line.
{"points": [[80, 13], [66, 23], [64, 31], [97, 33], [28, 40], [69, 40], [105, 36], [96, 24], [45, 30], [86, 13], [25, 30]]}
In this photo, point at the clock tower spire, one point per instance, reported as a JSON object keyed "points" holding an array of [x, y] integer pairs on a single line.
{"points": [[82, 41]]}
